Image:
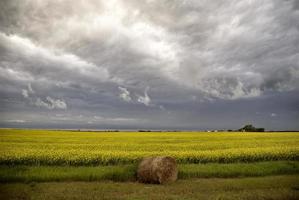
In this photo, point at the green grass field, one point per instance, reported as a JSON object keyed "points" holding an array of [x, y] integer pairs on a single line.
{"points": [[122, 173], [35, 156], [253, 188]]}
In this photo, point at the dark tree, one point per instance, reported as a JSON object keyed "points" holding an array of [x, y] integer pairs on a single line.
{"points": [[251, 128]]}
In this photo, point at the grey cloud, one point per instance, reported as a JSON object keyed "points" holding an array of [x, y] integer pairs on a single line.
{"points": [[296, 4], [125, 94], [31, 91], [90, 54], [25, 93], [184, 42], [146, 100], [48, 103], [16, 121], [39, 103], [56, 103], [234, 47], [97, 119], [39, 63], [143, 99]]}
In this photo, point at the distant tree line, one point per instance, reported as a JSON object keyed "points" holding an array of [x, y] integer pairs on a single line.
{"points": [[251, 128]]}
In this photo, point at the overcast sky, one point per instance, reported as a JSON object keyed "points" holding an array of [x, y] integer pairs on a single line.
{"points": [[164, 64]]}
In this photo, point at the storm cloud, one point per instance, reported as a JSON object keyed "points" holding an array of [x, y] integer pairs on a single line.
{"points": [[149, 64]]}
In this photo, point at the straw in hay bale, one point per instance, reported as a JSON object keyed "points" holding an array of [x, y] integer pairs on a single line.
{"points": [[157, 170]]}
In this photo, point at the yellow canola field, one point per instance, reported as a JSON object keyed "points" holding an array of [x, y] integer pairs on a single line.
{"points": [[45, 147]]}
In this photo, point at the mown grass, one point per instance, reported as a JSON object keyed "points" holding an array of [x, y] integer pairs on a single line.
{"points": [[44, 147], [261, 188], [128, 172]]}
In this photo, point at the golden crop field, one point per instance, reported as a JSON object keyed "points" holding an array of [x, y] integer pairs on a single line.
{"points": [[44, 147]]}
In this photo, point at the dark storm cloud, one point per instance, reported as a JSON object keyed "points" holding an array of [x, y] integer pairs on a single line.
{"points": [[154, 63]]}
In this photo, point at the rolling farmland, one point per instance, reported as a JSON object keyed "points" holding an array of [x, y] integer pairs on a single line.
{"points": [[72, 163]]}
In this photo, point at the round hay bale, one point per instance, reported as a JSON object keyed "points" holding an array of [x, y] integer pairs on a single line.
{"points": [[158, 170]]}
